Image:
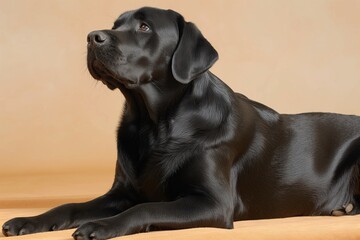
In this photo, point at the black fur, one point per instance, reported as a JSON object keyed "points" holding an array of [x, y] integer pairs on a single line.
{"points": [[193, 153]]}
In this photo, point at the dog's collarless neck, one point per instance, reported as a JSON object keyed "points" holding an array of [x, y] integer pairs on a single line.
{"points": [[156, 97]]}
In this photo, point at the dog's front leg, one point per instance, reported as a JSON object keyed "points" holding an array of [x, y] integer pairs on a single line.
{"points": [[67, 216], [187, 212]]}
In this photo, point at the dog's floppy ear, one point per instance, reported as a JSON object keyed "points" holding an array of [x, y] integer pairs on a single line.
{"points": [[193, 55]]}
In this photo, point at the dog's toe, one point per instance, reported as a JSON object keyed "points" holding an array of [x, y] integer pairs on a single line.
{"points": [[349, 208], [337, 212], [20, 226], [6, 230], [77, 236]]}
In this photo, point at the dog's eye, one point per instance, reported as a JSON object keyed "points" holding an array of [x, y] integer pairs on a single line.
{"points": [[144, 27]]}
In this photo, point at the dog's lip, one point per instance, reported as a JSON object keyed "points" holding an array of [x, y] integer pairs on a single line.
{"points": [[107, 77], [93, 68], [103, 75], [109, 85], [94, 73]]}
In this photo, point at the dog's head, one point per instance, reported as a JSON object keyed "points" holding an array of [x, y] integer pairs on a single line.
{"points": [[148, 45]]}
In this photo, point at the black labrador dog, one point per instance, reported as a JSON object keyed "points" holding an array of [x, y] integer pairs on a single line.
{"points": [[193, 153]]}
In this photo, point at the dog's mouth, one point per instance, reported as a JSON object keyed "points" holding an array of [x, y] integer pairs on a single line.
{"points": [[100, 72]]}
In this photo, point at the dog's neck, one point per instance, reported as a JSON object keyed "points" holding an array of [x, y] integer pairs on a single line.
{"points": [[154, 98]]}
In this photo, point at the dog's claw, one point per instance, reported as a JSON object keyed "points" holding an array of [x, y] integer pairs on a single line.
{"points": [[23, 231], [346, 209], [349, 208], [337, 212], [92, 236]]}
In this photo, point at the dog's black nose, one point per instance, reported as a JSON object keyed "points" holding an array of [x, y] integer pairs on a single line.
{"points": [[97, 38]]}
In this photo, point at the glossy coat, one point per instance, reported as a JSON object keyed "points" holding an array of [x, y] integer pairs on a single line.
{"points": [[191, 152]]}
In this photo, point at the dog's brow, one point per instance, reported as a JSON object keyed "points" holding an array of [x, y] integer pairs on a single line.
{"points": [[140, 15], [122, 19], [118, 23]]}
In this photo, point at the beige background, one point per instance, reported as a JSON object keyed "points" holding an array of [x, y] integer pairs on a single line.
{"points": [[292, 55]]}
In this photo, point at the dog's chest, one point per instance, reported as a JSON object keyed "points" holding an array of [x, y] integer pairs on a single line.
{"points": [[151, 175], [152, 182], [156, 157]]}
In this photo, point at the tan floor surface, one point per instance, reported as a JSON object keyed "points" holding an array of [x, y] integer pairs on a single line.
{"points": [[32, 194]]}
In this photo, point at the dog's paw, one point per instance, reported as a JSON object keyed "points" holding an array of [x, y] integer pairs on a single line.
{"points": [[19, 226], [92, 231]]}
